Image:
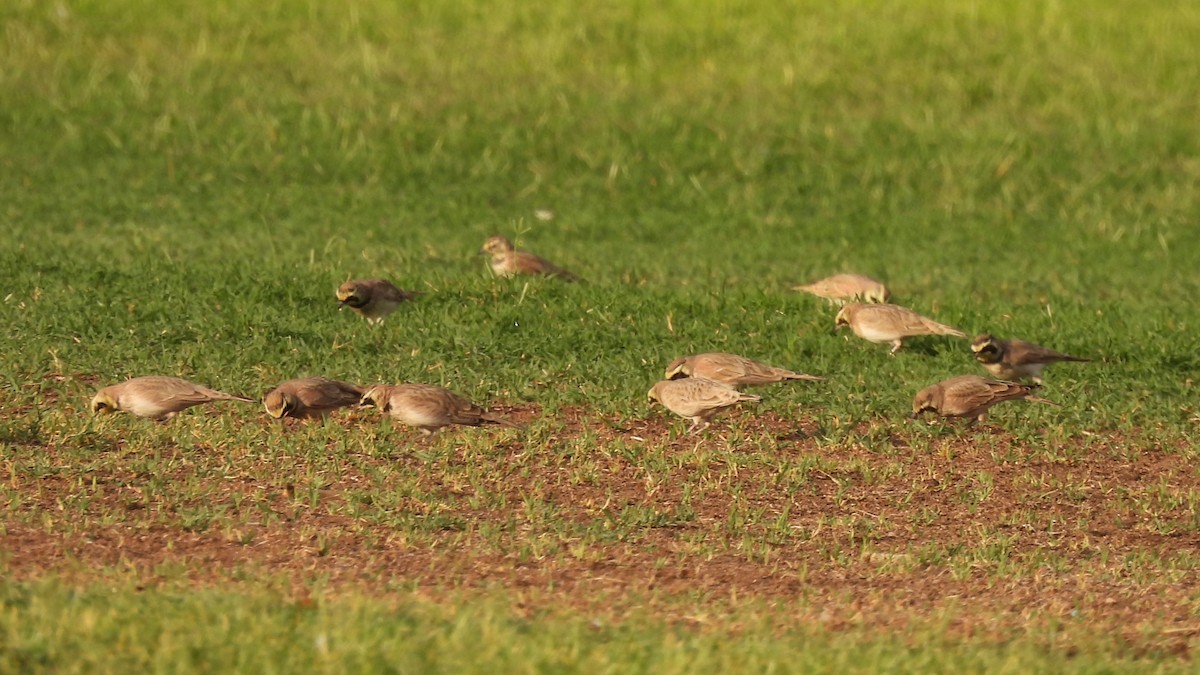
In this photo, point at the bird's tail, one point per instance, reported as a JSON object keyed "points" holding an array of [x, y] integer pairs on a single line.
{"points": [[790, 375], [493, 418], [943, 329]]}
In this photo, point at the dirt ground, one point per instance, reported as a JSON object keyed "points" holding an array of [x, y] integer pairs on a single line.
{"points": [[1105, 542]]}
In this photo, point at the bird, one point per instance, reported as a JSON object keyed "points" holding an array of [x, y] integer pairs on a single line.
{"points": [[884, 324], [310, 397], [507, 261], [970, 396], [697, 399], [373, 299], [731, 369], [842, 288], [428, 407], [156, 397], [1016, 359]]}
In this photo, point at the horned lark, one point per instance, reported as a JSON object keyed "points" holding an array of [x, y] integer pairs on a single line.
{"points": [[697, 399], [156, 397], [1016, 359], [372, 298], [428, 407], [507, 261], [970, 396], [731, 369], [310, 397], [842, 288], [884, 324]]}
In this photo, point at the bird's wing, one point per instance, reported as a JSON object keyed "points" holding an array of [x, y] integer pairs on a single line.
{"points": [[1022, 353], [529, 263], [331, 393], [388, 291]]}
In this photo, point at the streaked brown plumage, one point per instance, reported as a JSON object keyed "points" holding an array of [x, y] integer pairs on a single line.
{"points": [[697, 399], [507, 261], [970, 396], [731, 369], [156, 397], [842, 288], [428, 407], [310, 397], [1016, 359], [372, 298], [883, 324]]}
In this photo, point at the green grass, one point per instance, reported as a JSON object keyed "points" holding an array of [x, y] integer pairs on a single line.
{"points": [[182, 188], [165, 631]]}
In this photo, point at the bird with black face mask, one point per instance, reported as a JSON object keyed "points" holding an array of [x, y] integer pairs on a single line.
{"points": [[373, 299], [1016, 359]]}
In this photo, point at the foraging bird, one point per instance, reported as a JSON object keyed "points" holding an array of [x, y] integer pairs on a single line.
{"points": [[310, 397], [372, 298], [507, 261], [884, 324], [697, 399], [1016, 359], [428, 407], [731, 369], [156, 397], [970, 396], [842, 288]]}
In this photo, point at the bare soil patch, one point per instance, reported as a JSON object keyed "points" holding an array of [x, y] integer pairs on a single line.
{"points": [[996, 536]]}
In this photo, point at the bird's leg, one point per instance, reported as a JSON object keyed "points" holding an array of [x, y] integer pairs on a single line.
{"points": [[896, 345]]}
